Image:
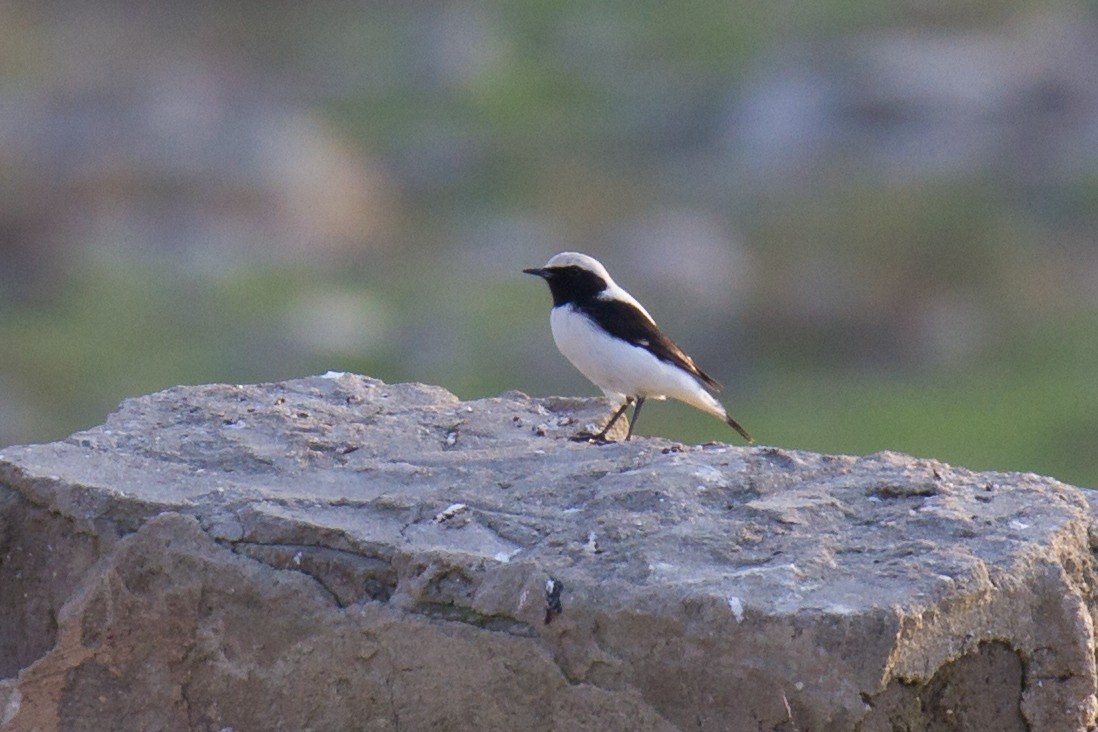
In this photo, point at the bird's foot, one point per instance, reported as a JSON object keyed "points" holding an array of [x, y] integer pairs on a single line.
{"points": [[595, 438]]}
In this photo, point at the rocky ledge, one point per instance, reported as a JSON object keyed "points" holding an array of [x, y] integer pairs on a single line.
{"points": [[339, 553]]}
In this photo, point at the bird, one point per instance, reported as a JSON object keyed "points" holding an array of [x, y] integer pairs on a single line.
{"points": [[616, 344]]}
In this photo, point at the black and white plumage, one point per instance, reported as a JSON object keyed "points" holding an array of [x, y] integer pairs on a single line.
{"points": [[616, 344]]}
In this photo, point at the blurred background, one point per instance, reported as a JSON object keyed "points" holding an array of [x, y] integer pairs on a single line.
{"points": [[876, 223]]}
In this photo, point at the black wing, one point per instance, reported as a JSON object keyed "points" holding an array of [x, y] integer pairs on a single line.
{"points": [[623, 320]]}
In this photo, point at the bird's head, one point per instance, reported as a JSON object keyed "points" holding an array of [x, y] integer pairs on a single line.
{"points": [[573, 276]]}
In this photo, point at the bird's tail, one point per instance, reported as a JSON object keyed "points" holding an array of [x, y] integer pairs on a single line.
{"points": [[736, 426], [706, 402]]}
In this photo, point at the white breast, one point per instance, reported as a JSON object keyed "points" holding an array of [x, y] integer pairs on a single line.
{"points": [[620, 369]]}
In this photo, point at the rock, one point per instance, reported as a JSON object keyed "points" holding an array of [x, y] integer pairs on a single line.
{"points": [[338, 553]]}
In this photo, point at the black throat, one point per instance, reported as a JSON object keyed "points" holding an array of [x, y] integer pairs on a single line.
{"points": [[573, 285]]}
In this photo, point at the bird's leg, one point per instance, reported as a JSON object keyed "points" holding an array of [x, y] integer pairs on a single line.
{"points": [[600, 436], [636, 413]]}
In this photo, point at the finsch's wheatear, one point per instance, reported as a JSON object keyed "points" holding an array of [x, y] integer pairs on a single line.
{"points": [[615, 343]]}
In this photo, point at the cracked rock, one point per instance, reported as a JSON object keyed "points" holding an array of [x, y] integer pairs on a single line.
{"points": [[339, 553]]}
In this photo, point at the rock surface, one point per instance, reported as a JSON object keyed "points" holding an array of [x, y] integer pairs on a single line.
{"points": [[338, 553]]}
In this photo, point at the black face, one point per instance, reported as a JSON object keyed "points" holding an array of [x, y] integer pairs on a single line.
{"points": [[570, 284]]}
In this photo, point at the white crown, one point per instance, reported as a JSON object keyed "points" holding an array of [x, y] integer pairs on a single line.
{"points": [[575, 259]]}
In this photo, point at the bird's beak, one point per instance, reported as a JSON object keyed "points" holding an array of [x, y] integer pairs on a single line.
{"points": [[537, 272]]}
